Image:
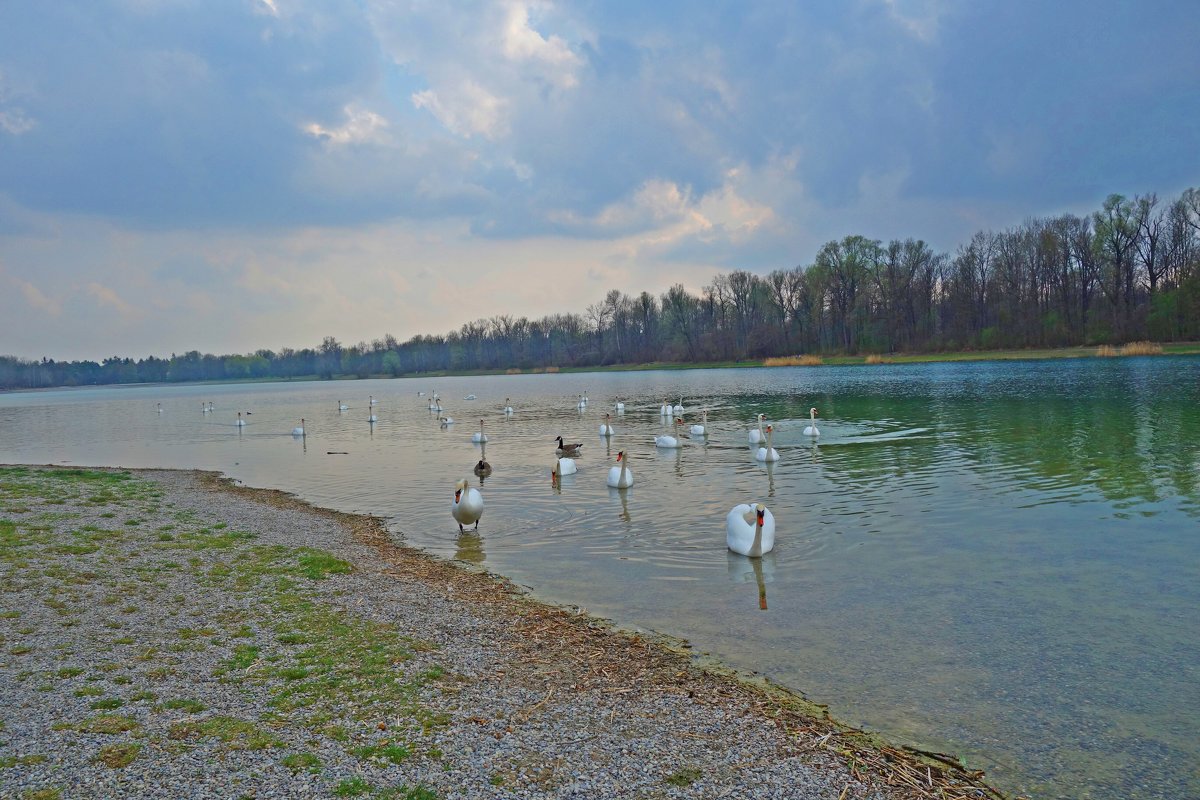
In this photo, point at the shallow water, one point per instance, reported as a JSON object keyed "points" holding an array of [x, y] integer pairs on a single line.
{"points": [[998, 560]]}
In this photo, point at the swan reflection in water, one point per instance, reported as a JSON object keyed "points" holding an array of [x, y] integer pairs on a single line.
{"points": [[769, 468], [623, 496], [752, 570], [469, 547]]}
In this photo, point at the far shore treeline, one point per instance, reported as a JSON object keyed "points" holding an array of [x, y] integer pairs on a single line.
{"points": [[1129, 271]]}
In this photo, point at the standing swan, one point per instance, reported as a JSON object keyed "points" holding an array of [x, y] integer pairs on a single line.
{"points": [[766, 452], [481, 437], [467, 506], [299, 430], [606, 428], [811, 430], [750, 530], [756, 434], [620, 476], [702, 428]]}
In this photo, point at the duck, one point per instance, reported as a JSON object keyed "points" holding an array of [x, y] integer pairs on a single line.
{"points": [[606, 428], [620, 476], [508, 409], [240, 422], [767, 452], [756, 434], [480, 437], [482, 468], [467, 506], [701, 429], [668, 442], [567, 449], [299, 429], [812, 430], [750, 530], [562, 466]]}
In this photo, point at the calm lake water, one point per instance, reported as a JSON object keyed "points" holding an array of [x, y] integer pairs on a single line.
{"points": [[999, 560]]}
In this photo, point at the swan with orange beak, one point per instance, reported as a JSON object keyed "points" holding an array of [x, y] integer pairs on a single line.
{"points": [[467, 506], [750, 530]]}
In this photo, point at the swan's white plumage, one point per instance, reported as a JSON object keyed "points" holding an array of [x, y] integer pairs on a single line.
{"points": [[299, 429], [767, 452], [467, 507], [480, 437], [742, 532], [621, 476], [606, 428], [564, 466], [756, 434], [701, 429], [812, 429]]}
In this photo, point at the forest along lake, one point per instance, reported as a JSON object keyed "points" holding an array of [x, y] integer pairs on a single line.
{"points": [[997, 560]]}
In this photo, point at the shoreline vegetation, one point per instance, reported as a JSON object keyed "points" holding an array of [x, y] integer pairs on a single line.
{"points": [[172, 633], [1140, 348]]}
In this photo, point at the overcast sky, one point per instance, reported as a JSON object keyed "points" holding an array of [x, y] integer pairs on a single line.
{"points": [[228, 175]]}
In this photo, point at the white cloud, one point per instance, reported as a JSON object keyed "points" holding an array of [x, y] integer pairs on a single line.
{"points": [[362, 125], [523, 43], [36, 299], [106, 296], [466, 109]]}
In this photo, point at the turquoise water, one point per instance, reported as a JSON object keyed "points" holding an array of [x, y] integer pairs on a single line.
{"points": [[998, 560]]}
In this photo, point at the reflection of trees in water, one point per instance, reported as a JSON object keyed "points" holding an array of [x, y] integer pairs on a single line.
{"points": [[1130, 434]]}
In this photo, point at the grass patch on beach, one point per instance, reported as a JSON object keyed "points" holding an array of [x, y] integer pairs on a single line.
{"points": [[684, 777], [110, 724], [306, 762], [234, 733], [116, 756]]}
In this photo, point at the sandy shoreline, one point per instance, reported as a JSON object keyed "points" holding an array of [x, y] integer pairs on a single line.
{"points": [[170, 634]]}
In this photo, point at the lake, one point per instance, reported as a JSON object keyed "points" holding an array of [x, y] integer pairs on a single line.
{"points": [[998, 559]]}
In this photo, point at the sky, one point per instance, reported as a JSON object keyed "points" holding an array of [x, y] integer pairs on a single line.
{"points": [[230, 175]]}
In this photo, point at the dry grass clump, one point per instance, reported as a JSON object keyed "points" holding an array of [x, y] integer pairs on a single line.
{"points": [[513, 371], [551, 369], [1130, 349], [877, 359], [794, 361], [1141, 349]]}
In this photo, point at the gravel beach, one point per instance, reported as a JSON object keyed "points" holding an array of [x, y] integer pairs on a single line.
{"points": [[168, 634]]}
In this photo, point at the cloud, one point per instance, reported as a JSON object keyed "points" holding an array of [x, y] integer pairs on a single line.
{"points": [[466, 109], [362, 125], [105, 296], [553, 54]]}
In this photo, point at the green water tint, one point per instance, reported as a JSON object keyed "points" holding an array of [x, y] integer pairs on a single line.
{"points": [[998, 560]]}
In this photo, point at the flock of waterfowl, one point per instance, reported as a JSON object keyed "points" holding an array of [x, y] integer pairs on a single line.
{"points": [[749, 529]]}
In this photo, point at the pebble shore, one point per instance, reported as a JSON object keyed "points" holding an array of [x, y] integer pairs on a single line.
{"points": [[166, 634]]}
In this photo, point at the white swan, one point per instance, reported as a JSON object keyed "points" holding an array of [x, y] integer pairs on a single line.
{"points": [[620, 407], [371, 400], [669, 442], [467, 506], [160, 408], [446, 421], [584, 395], [812, 430], [481, 437], [372, 418], [507, 408], [767, 452], [606, 428], [342, 406], [678, 409], [240, 422], [750, 530], [563, 466], [204, 409], [666, 409], [299, 429], [582, 404], [756, 434], [620, 476], [469, 397], [701, 429]]}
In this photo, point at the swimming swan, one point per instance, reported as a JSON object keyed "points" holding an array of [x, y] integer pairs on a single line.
{"points": [[620, 476], [669, 442], [299, 430], [701, 429], [750, 530], [756, 434], [480, 437], [767, 452], [811, 430], [606, 428]]}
